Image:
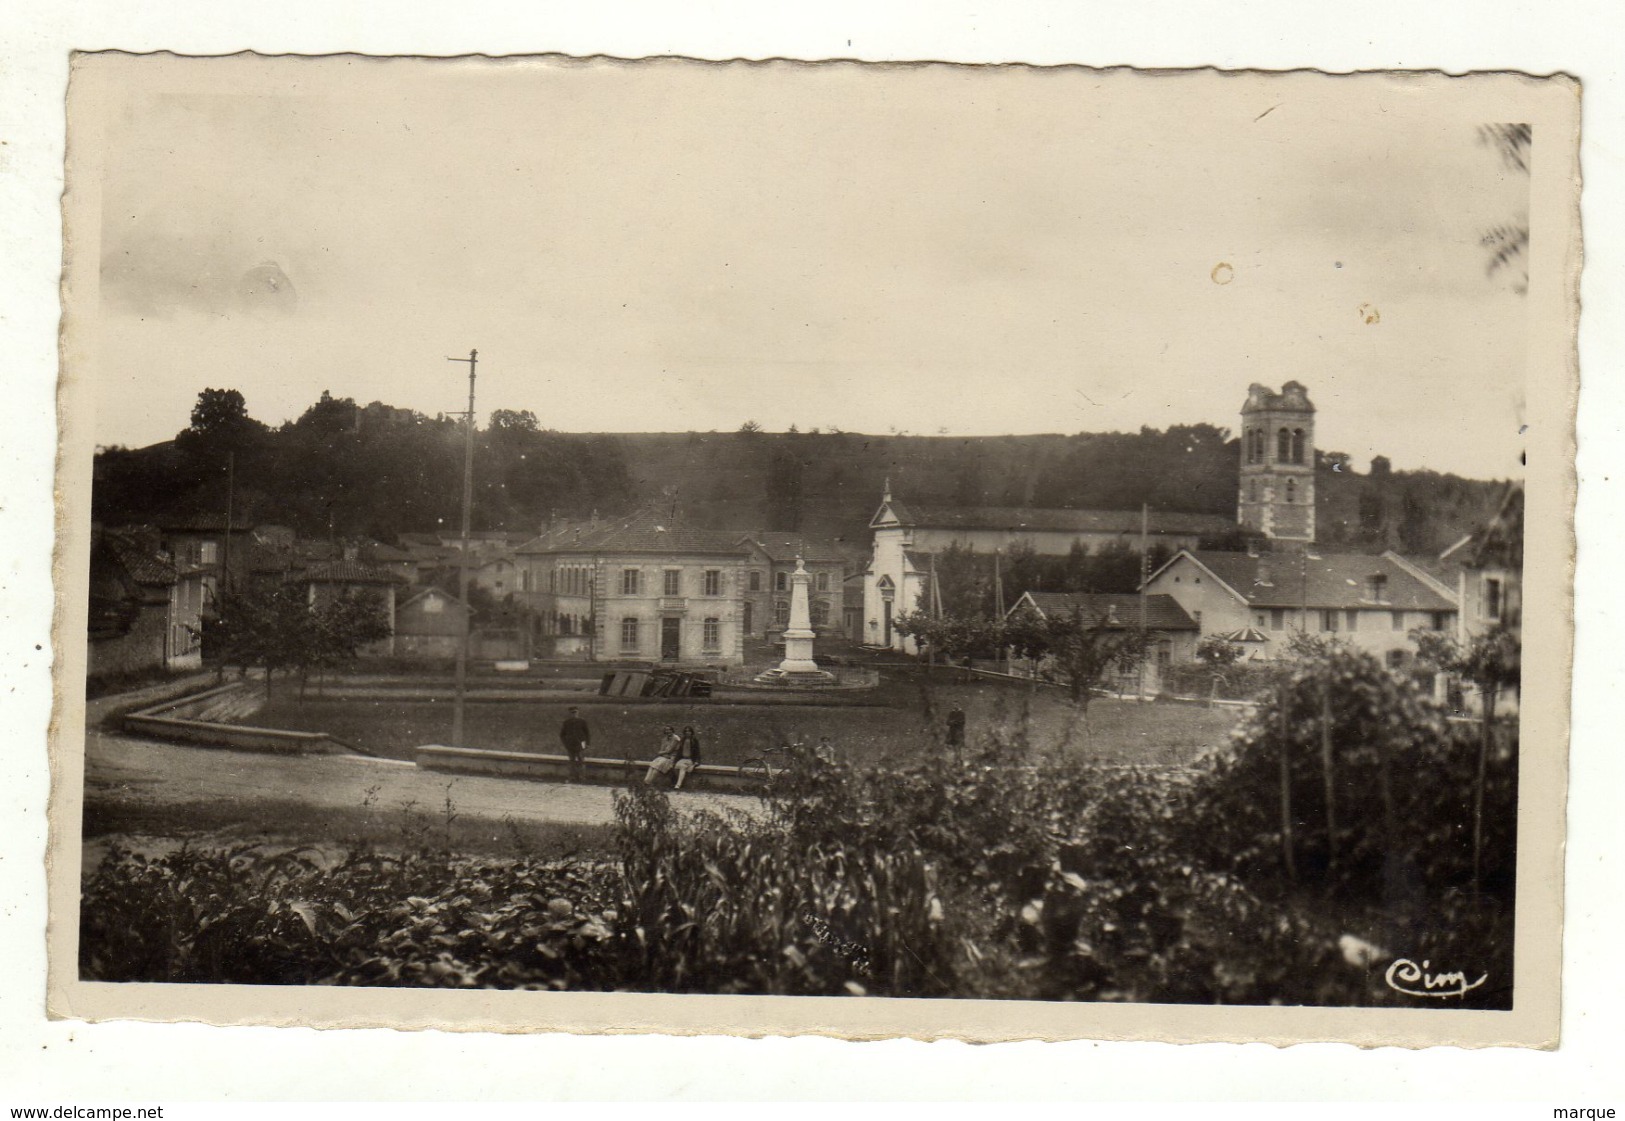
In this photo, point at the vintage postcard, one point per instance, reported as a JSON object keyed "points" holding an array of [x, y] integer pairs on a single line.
{"points": [[982, 552]]}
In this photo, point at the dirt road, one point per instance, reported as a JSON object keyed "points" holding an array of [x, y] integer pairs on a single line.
{"points": [[141, 787]]}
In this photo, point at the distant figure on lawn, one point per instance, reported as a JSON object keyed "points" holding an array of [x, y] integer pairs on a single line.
{"points": [[956, 727], [575, 736], [825, 751], [688, 755], [665, 755]]}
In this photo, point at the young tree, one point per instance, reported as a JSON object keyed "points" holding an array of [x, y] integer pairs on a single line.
{"points": [[956, 637], [272, 627], [1492, 662], [965, 580], [1082, 646], [337, 631]]}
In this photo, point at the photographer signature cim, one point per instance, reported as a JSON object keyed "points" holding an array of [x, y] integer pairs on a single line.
{"points": [[1404, 975]]}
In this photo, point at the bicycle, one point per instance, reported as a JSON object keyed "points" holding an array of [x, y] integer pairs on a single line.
{"points": [[761, 770]]}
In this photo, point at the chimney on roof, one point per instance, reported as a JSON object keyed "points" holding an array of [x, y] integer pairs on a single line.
{"points": [[1265, 576]]}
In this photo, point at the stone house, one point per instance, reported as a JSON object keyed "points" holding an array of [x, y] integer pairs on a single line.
{"points": [[1490, 571], [638, 589], [350, 577], [497, 572], [429, 624], [766, 607], [1371, 601], [646, 587], [207, 544], [146, 611]]}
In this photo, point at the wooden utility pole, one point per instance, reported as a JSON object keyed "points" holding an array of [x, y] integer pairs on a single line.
{"points": [[999, 609], [231, 499], [1145, 575], [462, 560]]}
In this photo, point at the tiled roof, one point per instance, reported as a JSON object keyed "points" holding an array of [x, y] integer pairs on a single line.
{"points": [[432, 590], [903, 512], [143, 564], [1162, 612], [1335, 580], [1018, 519], [1440, 568], [649, 531], [350, 572], [555, 536], [786, 548]]}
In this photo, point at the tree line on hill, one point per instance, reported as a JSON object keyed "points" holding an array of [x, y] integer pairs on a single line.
{"points": [[347, 470]]}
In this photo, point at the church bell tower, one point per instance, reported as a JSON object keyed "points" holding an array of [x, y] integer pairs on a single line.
{"points": [[1278, 463]]}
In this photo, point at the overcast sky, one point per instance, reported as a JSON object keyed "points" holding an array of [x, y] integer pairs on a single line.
{"points": [[672, 247]]}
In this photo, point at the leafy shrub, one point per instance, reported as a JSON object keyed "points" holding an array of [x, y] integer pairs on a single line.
{"points": [[1401, 780], [1242, 681], [268, 917]]}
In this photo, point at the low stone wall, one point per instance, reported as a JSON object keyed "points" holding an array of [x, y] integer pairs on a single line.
{"points": [[556, 768], [174, 721], [206, 733]]}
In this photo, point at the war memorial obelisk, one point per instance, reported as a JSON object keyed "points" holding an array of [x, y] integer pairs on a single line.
{"points": [[798, 667]]}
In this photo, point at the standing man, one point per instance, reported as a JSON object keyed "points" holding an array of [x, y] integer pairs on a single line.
{"points": [[956, 727], [575, 735]]}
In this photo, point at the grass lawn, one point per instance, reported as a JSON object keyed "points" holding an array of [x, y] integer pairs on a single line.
{"points": [[1119, 731]]}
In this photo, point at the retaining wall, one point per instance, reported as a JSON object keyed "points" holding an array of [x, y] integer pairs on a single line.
{"points": [[173, 721]]}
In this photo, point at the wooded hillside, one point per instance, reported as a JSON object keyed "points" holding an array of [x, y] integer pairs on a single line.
{"points": [[347, 470]]}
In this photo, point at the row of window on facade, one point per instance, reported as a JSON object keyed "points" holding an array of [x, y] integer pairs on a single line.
{"points": [[577, 580], [1291, 490], [568, 623], [632, 635], [1333, 619], [1289, 445]]}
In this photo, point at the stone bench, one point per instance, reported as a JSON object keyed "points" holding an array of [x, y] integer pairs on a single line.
{"points": [[556, 768]]}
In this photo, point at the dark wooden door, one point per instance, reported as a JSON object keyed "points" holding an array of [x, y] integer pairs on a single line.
{"points": [[670, 639]]}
